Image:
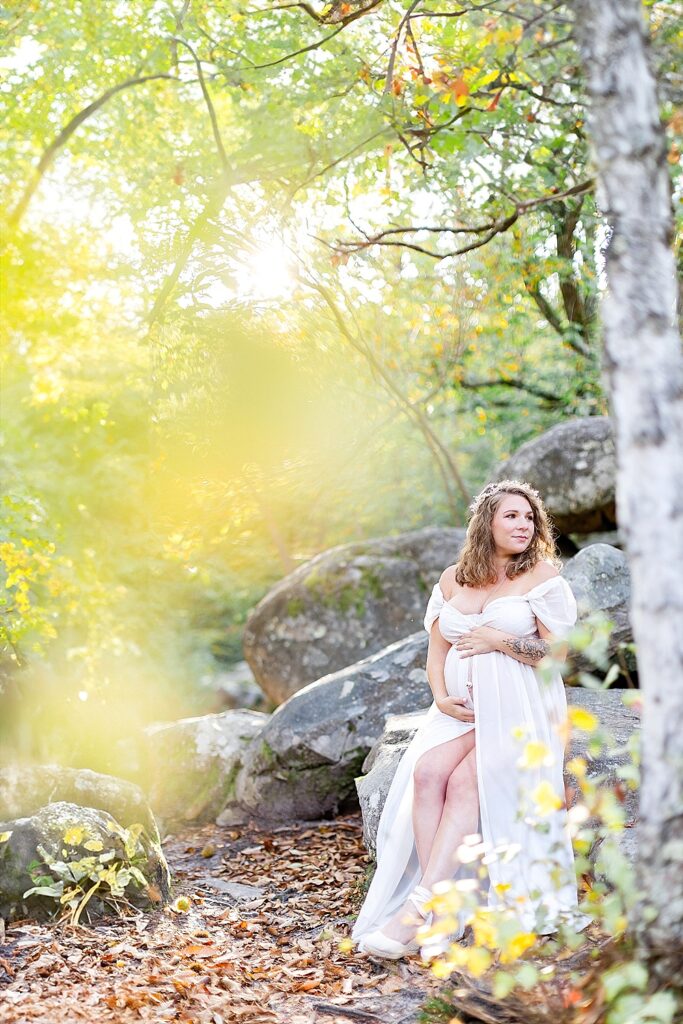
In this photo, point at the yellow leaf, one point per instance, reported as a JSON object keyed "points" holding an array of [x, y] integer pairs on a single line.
{"points": [[577, 766], [546, 799], [4, 836], [516, 946], [485, 931], [74, 836], [478, 961], [534, 754], [441, 969], [582, 719]]}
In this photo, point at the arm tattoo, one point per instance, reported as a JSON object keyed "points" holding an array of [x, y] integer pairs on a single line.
{"points": [[530, 647]]}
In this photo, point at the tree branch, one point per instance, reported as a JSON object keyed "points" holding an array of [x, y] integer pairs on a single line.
{"points": [[343, 22], [571, 296], [441, 455], [209, 104], [394, 47], [50, 154], [519, 385], [489, 229], [211, 209]]}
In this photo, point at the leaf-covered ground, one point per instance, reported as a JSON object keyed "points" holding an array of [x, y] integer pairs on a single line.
{"points": [[258, 944]]}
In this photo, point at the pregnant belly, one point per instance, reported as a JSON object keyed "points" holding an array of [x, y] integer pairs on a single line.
{"points": [[457, 676]]}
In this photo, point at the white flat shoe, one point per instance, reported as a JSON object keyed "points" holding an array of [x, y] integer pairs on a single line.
{"points": [[381, 945]]}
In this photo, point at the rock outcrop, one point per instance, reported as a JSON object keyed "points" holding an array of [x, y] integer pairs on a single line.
{"points": [[192, 764], [60, 828], [303, 762], [573, 467], [344, 605], [24, 789]]}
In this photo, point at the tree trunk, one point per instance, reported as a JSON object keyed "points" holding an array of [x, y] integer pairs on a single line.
{"points": [[645, 367]]}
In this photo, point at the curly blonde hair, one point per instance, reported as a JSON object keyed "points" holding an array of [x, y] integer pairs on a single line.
{"points": [[476, 566]]}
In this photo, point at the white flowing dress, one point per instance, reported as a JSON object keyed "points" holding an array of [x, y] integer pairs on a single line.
{"points": [[512, 706]]}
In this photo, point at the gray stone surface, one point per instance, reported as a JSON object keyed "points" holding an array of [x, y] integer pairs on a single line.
{"points": [[303, 763], [233, 687], [601, 583], [600, 579], [192, 764], [617, 722], [573, 467], [24, 789], [41, 838], [344, 605]]}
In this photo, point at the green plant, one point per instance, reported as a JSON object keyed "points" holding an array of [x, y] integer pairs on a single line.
{"points": [[112, 874]]}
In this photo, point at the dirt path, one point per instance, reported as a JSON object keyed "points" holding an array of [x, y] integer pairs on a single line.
{"points": [[259, 942]]}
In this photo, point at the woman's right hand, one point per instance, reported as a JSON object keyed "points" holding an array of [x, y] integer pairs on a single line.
{"points": [[456, 708]]}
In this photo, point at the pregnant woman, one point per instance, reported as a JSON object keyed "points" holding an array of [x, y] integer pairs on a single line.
{"points": [[491, 618]]}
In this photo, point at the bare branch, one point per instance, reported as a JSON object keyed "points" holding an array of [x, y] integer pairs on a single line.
{"points": [[290, 56], [50, 154], [211, 209], [337, 161], [488, 230], [442, 456], [548, 396], [209, 104], [321, 20], [320, 42], [394, 47]]}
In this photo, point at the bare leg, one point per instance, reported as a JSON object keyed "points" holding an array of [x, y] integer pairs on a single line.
{"points": [[431, 781], [460, 818]]}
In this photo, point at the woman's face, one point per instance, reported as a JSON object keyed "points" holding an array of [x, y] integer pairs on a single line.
{"points": [[512, 525]]}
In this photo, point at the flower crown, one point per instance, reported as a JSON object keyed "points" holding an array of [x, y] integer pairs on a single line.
{"points": [[503, 486]]}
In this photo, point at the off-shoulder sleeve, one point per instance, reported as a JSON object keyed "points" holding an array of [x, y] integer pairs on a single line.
{"points": [[554, 604], [436, 603]]}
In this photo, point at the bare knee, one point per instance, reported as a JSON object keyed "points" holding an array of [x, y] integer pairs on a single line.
{"points": [[430, 776], [462, 782]]}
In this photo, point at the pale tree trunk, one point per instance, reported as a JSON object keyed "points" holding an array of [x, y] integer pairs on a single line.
{"points": [[645, 368]]}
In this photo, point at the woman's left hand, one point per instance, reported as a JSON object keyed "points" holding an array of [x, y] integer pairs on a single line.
{"points": [[481, 640]]}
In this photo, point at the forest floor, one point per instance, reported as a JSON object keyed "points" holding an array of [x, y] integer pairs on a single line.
{"points": [[259, 942]]}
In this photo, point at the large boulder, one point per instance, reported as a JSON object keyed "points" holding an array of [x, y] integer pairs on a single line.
{"points": [[573, 466], [344, 605], [25, 789], [303, 762], [192, 764], [600, 579], [617, 723], [65, 848]]}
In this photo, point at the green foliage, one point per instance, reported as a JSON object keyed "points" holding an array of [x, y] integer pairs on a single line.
{"points": [[211, 372], [114, 875]]}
